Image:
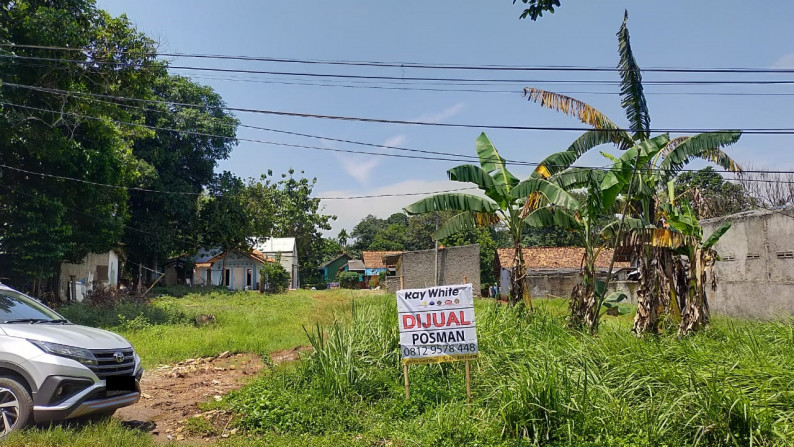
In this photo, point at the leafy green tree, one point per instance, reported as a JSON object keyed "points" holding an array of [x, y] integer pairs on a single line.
{"points": [[365, 231], [274, 278], [499, 206], [538, 7], [67, 135], [392, 238], [710, 194], [182, 163], [298, 215], [645, 180], [225, 219], [349, 280]]}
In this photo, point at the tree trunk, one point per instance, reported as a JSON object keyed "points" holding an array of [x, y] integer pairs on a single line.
{"points": [[695, 316], [518, 284]]}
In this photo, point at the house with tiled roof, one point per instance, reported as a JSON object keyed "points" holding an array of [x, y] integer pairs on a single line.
{"points": [[551, 271], [235, 269], [373, 263]]}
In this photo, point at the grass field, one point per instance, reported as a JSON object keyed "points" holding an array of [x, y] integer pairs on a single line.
{"points": [[536, 383]]}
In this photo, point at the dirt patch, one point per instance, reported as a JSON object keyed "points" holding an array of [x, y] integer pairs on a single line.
{"points": [[170, 396]]}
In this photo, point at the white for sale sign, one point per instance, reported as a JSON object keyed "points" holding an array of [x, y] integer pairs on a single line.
{"points": [[437, 324]]}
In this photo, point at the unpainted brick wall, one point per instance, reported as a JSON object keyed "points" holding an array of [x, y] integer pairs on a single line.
{"points": [[454, 264]]}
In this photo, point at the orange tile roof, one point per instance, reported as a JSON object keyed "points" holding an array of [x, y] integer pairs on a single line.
{"points": [[374, 259], [555, 258]]}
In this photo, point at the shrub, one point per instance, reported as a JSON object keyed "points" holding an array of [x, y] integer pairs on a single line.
{"points": [[348, 280], [274, 278]]}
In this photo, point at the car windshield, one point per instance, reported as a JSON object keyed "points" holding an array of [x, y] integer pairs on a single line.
{"points": [[18, 306]]}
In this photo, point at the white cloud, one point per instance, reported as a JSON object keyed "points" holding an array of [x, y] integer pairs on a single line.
{"points": [[396, 140], [443, 115], [785, 62], [360, 167], [350, 211]]}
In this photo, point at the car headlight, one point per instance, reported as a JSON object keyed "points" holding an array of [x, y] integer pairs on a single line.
{"points": [[82, 355]]}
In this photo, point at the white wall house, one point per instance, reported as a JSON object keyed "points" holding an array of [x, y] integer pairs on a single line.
{"points": [[236, 270], [285, 251], [97, 269]]}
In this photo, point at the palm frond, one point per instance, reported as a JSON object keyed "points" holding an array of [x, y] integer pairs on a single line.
{"points": [[553, 217], [464, 221], [478, 176], [452, 201], [570, 106], [706, 146], [493, 163], [553, 193], [631, 92]]}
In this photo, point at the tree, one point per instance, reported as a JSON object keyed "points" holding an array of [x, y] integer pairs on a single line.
{"points": [[645, 180], [392, 238], [342, 238], [365, 231], [298, 215], [71, 136], [181, 162], [538, 7], [225, 220], [500, 205], [710, 194]]}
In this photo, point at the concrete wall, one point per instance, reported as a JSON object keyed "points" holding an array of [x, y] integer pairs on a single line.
{"points": [[755, 278], [559, 283], [454, 263]]}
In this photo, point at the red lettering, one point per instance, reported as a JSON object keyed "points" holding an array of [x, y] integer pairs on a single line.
{"points": [[437, 323], [408, 321], [463, 321], [453, 317], [427, 323]]}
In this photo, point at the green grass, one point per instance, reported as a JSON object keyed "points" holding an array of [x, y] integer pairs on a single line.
{"points": [[536, 383], [163, 332]]}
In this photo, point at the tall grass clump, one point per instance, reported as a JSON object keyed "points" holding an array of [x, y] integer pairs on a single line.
{"points": [[536, 383]]}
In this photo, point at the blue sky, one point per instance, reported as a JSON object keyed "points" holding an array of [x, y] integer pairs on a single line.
{"points": [[727, 33]]}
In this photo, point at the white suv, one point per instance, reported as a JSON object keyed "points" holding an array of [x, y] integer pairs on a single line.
{"points": [[52, 370]]}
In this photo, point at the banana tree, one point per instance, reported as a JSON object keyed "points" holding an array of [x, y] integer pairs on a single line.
{"points": [[499, 206], [692, 304], [553, 204]]}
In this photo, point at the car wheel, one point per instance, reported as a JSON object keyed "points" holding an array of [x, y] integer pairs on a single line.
{"points": [[16, 405]]}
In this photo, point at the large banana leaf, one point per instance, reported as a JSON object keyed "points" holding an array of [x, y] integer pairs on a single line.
{"points": [[555, 194], [452, 201], [658, 237], [493, 163], [570, 106], [705, 146], [553, 217], [716, 235], [629, 223], [631, 92], [478, 176], [554, 163], [621, 172], [576, 178], [462, 222]]}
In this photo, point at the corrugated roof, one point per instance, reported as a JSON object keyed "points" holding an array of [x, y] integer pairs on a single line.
{"points": [[355, 265], [374, 259], [555, 258], [276, 245], [334, 259], [255, 255]]}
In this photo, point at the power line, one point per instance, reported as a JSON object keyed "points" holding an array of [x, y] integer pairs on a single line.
{"points": [[417, 65], [761, 131], [404, 78], [524, 163]]}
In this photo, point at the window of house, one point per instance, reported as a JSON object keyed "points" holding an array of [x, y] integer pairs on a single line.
{"points": [[101, 273], [227, 275], [249, 278]]}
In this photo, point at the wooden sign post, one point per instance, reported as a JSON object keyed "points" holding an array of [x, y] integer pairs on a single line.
{"points": [[437, 325]]}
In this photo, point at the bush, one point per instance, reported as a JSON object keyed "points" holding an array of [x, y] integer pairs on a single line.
{"points": [[274, 278], [348, 280]]}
